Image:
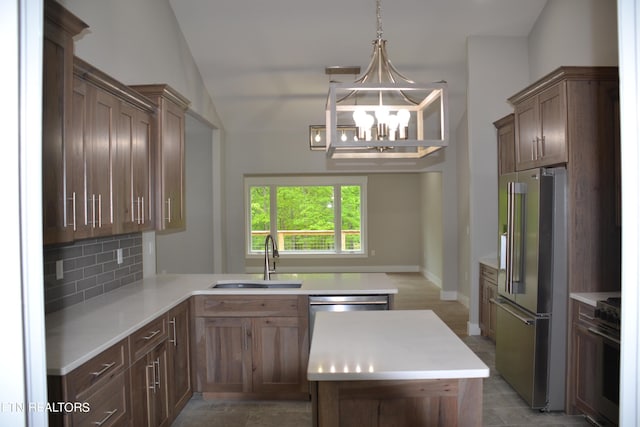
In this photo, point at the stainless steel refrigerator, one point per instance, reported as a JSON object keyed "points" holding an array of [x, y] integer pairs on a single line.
{"points": [[532, 285]]}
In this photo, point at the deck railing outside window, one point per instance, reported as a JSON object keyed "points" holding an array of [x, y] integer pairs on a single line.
{"points": [[308, 240]]}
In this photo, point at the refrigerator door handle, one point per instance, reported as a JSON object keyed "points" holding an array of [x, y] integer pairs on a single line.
{"points": [[506, 308], [515, 242]]}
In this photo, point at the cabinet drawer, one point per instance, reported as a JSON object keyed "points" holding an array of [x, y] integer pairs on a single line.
{"points": [[107, 407], [488, 273], [98, 370], [584, 314], [247, 306], [147, 337]]}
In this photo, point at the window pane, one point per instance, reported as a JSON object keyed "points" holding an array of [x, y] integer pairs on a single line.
{"points": [[305, 218], [350, 202], [260, 199]]}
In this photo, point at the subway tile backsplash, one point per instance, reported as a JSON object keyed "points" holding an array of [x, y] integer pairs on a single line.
{"points": [[90, 268]]}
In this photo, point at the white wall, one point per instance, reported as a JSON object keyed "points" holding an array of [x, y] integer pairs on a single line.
{"points": [[139, 42], [573, 32], [432, 231], [497, 68], [191, 251]]}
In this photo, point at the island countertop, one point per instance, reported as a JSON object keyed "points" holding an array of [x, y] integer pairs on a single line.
{"points": [[388, 345], [79, 332]]}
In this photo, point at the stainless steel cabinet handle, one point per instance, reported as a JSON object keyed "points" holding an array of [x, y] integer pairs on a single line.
{"points": [[105, 368], [142, 209], [542, 147], [174, 341], [151, 384], [73, 209], [348, 303], [168, 202], [513, 313], [135, 210], [104, 420], [151, 335], [99, 210], [93, 211], [603, 335], [156, 365]]}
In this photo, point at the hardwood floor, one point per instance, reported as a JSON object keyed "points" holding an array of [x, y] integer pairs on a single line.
{"points": [[501, 405]]}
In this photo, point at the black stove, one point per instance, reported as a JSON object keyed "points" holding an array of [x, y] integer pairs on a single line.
{"points": [[608, 312]]}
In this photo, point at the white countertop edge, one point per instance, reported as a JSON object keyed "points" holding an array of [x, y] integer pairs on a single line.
{"points": [[403, 375], [591, 298]]}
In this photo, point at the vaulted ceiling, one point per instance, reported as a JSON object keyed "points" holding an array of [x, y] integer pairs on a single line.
{"points": [[263, 61]]}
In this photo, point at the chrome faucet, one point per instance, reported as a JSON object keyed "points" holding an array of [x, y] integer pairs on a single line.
{"points": [[274, 252]]}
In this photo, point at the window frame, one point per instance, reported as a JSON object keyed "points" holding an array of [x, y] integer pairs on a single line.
{"points": [[300, 181]]}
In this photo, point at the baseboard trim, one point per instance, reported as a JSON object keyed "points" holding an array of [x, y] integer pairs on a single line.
{"points": [[473, 329], [448, 295], [341, 269]]}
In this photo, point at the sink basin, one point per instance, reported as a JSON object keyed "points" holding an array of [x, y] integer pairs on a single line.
{"points": [[256, 284]]}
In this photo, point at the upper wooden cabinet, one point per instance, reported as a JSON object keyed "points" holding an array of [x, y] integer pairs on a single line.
{"points": [[168, 133], [111, 148], [541, 129], [550, 115], [60, 27], [506, 144]]}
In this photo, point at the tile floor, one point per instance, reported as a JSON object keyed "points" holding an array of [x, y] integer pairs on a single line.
{"points": [[501, 405]]}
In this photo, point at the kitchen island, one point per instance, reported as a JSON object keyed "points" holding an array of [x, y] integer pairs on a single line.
{"points": [[401, 368]]}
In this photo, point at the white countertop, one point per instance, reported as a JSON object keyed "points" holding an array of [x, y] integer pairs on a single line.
{"points": [[388, 345], [592, 298], [77, 333]]}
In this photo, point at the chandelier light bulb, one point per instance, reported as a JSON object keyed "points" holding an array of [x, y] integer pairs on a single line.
{"points": [[393, 123], [403, 123], [368, 122], [343, 137], [317, 138]]}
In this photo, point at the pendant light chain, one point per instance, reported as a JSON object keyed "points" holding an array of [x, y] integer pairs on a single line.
{"points": [[379, 19]]}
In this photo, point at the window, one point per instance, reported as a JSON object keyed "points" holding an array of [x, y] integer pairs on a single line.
{"points": [[307, 215]]}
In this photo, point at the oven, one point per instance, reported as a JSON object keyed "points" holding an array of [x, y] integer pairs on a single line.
{"points": [[607, 330]]}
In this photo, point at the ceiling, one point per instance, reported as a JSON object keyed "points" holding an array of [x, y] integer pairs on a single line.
{"points": [[263, 61]]}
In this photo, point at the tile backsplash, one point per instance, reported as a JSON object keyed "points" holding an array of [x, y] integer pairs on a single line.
{"points": [[90, 268]]}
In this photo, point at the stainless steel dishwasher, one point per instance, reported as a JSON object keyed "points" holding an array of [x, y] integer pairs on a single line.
{"points": [[344, 303]]}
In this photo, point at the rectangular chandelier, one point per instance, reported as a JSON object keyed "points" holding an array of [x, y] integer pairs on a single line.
{"points": [[385, 120]]}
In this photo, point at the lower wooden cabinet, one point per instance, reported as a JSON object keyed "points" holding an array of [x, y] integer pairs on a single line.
{"points": [[252, 347], [488, 293], [149, 389], [583, 360], [179, 357], [100, 388]]}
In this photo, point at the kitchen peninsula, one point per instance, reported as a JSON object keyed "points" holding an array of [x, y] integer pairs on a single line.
{"points": [[404, 368], [137, 354]]}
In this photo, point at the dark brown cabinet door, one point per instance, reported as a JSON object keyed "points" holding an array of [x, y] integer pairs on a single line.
{"points": [[149, 391], [100, 152], [180, 389], [506, 144], [586, 351], [552, 146], [93, 145], [132, 177], [279, 365], [223, 354], [526, 116], [168, 132], [57, 91], [541, 126], [173, 167]]}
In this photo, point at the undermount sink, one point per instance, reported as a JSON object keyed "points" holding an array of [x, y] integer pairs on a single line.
{"points": [[256, 284]]}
